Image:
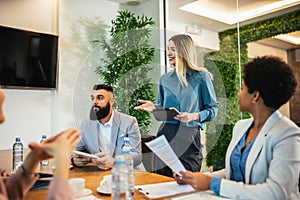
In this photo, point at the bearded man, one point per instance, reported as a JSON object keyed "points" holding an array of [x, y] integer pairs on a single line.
{"points": [[103, 133]]}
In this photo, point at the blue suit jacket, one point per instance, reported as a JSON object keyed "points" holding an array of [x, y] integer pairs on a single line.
{"points": [[122, 124], [273, 164]]}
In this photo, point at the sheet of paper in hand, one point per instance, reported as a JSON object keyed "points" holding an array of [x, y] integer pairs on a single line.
{"points": [[163, 150], [86, 155]]}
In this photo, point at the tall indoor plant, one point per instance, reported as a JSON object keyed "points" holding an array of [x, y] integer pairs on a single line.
{"points": [[126, 64]]}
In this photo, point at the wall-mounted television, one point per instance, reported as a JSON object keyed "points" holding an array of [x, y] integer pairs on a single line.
{"points": [[28, 59]]}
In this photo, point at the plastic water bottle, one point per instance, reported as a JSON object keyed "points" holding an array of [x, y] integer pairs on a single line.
{"points": [[44, 162], [119, 190], [17, 153], [126, 148]]}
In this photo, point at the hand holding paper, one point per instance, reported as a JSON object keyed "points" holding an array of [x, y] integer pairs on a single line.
{"points": [[163, 150]]}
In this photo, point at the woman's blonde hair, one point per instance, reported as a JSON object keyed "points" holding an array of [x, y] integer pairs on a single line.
{"points": [[185, 57]]}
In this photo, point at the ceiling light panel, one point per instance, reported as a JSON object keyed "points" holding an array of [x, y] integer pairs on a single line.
{"points": [[227, 12]]}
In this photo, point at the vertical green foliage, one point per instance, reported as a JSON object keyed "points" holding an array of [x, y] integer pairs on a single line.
{"points": [[126, 64], [226, 60]]}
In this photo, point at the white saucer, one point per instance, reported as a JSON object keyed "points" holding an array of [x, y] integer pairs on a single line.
{"points": [[86, 192], [102, 191], [71, 167]]}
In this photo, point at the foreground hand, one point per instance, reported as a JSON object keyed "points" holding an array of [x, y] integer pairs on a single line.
{"points": [[3, 173], [58, 146], [62, 143], [197, 180], [146, 105], [105, 162], [187, 117]]}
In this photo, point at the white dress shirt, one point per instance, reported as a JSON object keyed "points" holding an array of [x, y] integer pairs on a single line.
{"points": [[104, 136]]}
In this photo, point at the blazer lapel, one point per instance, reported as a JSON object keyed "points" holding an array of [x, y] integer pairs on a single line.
{"points": [[115, 130], [259, 143]]}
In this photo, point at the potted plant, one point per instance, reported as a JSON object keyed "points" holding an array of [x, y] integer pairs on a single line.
{"points": [[126, 64]]}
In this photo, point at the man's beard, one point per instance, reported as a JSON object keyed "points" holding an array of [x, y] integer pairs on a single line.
{"points": [[98, 112]]}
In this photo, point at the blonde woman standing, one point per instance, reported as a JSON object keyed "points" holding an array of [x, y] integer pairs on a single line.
{"points": [[189, 89]]}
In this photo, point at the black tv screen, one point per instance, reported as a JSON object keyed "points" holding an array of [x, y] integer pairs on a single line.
{"points": [[28, 59]]}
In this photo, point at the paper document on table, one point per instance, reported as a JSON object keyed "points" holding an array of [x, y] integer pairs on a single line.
{"points": [[159, 190], [205, 195], [90, 197], [161, 147]]}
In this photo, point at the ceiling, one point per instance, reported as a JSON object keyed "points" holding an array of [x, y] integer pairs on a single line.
{"points": [[227, 9]]}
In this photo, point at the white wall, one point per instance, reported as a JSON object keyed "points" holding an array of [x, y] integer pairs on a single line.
{"points": [[206, 38], [80, 23], [28, 112], [29, 14], [257, 49]]}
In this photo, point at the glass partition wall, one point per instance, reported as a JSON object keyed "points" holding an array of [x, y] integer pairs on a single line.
{"points": [[226, 34]]}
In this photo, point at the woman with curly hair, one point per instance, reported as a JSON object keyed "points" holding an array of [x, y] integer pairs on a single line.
{"points": [[263, 158]]}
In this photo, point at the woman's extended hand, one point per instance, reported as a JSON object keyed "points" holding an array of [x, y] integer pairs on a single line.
{"points": [[187, 117], [197, 180], [146, 105]]}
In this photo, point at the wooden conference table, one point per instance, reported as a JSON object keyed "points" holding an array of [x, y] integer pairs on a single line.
{"points": [[91, 174]]}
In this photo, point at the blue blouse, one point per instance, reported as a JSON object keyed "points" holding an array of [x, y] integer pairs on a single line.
{"points": [[238, 161], [199, 96]]}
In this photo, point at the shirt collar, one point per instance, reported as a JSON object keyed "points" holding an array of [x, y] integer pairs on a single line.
{"points": [[189, 72], [173, 72], [111, 119]]}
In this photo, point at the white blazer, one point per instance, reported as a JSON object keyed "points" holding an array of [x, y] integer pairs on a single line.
{"points": [[273, 164]]}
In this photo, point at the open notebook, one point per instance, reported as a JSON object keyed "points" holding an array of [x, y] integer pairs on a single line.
{"points": [[169, 189], [159, 190]]}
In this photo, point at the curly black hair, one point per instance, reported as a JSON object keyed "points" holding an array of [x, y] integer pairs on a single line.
{"points": [[272, 78]]}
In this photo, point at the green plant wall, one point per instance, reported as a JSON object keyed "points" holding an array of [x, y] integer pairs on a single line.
{"points": [[226, 61]]}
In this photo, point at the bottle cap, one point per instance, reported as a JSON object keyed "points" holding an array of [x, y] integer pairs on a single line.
{"points": [[18, 139], [44, 137]]}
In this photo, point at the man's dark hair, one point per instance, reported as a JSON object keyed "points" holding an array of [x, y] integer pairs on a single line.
{"points": [[103, 87]]}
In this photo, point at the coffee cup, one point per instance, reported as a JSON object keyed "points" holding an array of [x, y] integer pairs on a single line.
{"points": [[105, 183], [77, 185]]}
